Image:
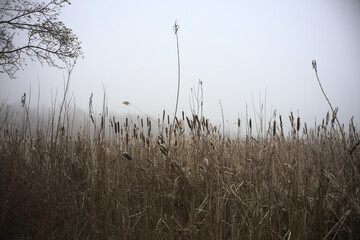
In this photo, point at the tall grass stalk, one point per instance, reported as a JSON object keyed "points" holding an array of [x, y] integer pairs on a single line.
{"points": [[334, 113], [176, 29]]}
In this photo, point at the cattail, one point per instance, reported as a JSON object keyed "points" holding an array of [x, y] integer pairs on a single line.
{"points": [[163, 119], [161, 140], [168, 118], [281, 126], [102, 122], [126, 122], [135, 133], [238, 123], [198, 121], [274, 128], [298, 124], [183, 115], [116, 128], [202, 123], [163, 150], [127, 156], [142, 123], [327, 118], [189, 123], [291, 118]]}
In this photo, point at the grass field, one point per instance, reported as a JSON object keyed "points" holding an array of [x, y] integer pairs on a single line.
{"points": [[194, 183]]}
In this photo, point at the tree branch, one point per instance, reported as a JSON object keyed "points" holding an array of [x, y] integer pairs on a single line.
{"points": [[47, 37]]}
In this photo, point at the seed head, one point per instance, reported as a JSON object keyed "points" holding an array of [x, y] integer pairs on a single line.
{"points": [[23, 99], [176, 27], [314, 65]]}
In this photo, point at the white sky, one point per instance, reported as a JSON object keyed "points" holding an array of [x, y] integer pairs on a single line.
{"points": [[237, 48]]}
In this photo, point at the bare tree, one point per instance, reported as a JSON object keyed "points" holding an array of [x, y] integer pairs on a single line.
{"points": [[30, 28]]}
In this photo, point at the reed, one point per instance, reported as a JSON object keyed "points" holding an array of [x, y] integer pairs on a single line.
{"points": [[133, 185]]}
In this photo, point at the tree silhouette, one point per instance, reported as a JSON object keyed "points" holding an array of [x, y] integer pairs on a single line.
{"points": [[32, 29]]}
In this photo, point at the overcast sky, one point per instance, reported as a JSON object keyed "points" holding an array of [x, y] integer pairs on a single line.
{"points": [[238, 49]]}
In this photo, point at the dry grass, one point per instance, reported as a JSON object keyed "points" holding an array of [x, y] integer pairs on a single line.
{"points": [[132, 185]]}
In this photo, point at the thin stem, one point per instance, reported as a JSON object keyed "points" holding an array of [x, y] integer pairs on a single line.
{"points": [[176, 28], [178, 55], [327, 99], [223, 120], [317, 77]]}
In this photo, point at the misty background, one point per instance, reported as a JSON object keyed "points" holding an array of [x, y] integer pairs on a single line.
{"points": [[246, 53]]}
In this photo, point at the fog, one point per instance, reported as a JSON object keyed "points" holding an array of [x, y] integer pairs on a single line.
{"points": [[248, 54]]}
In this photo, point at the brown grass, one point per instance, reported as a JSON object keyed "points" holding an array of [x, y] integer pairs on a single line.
{"points": [[202, 185]]}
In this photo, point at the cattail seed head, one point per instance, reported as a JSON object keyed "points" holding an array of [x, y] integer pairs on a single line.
{"points": [[327, 118], [127, 156], [274, 128], [116, 128], [298, 124], [189, 123]]}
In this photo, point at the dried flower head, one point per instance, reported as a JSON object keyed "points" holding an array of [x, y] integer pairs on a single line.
{"points": [[23, 99], [314, 65], [176, 27]]}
